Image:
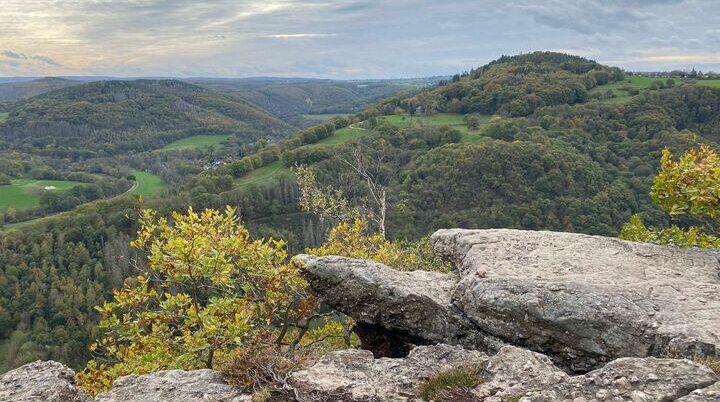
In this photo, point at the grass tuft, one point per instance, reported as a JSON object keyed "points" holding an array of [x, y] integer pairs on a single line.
{"points": [[452, 383]]}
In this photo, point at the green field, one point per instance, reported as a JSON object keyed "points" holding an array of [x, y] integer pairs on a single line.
{"points": [[25, 193], [442, 119], [323, 117], [148, 184], [197, 142], [641, 84], [3, 116], [708, 83], [278, 169]]}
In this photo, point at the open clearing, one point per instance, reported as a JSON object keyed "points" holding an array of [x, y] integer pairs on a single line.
{"points": [[148, 184], [323, 117], [442, 119], [3, 116], [197, 142], [621, 89], [25, 193]]}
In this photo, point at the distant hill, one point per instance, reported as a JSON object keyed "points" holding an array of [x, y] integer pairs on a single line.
{"points": [[12, 91], [288, 98], [112, 117], [515, 85]]}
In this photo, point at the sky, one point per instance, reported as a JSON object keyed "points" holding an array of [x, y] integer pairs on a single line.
{"points": [[345, 39]]}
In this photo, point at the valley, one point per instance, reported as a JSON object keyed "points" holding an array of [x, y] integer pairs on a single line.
{"points": [[533, 142]]}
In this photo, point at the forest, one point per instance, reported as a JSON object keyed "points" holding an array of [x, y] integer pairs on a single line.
{"points": [[529, 147]]}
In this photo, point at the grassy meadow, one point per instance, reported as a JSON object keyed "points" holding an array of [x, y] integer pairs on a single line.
{"points": [[25, 193], [147, 184]]}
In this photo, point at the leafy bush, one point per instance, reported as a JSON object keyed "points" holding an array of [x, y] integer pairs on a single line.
{"points": [[354, 240], [210, 292]]}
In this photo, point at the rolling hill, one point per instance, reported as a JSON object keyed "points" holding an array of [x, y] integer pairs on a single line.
{"points": [[13, 91], [115, 117]]}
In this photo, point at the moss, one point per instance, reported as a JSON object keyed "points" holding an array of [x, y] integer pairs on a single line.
{"points": [[445, 385]]}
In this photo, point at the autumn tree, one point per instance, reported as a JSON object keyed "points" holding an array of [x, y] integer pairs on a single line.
{"points": [[210, 292], [685, 188]]}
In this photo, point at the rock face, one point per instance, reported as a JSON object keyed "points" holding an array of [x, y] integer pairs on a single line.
{"points": [[41, 382], [414, 307], [583, 300], [173, 386], [511, 374]]}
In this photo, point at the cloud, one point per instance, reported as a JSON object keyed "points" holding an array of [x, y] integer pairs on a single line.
{"points": [[13, 55], [340, 38]]}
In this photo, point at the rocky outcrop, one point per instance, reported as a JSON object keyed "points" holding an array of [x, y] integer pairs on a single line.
{"points": [[173, 385], [41, 382], [511, 374], [394, 309], [583, 300], [354, 375], [54, 382]]}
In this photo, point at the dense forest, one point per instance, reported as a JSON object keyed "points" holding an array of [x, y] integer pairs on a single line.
{"points": [[528, 146]]}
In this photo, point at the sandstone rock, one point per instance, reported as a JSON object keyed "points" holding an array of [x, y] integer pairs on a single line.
{"points": [[173, 386], [354, 375], [415, 307], [41, 382], [512, 374], [586, 297]]}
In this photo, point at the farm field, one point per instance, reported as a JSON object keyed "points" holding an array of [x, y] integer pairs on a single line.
{"points": [[25, 193], [323, 117], [148, 184], [197, 142]]}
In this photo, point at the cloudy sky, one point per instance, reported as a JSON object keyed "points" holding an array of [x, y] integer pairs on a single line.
{"points": [[345, 38]]}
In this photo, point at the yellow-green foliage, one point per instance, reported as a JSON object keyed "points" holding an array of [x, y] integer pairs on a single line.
{"points": [[445, 385], [356, 241], [688, 186], [635, 230], [210, 290]]}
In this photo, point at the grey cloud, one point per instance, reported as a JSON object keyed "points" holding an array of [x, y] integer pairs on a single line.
{"points": [[13, 55]]}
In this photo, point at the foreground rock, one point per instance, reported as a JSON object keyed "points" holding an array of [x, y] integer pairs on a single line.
{"points": [[41, 382], [512, 374], [394, 309], [54, 382], [583, 300], [173, 386], [354, 375]]}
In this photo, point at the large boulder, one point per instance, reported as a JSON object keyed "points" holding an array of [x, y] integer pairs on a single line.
{"points": [[582, 300], [513, 374], [173, 385], [41, 381], [575, 296], [412, 307]]}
